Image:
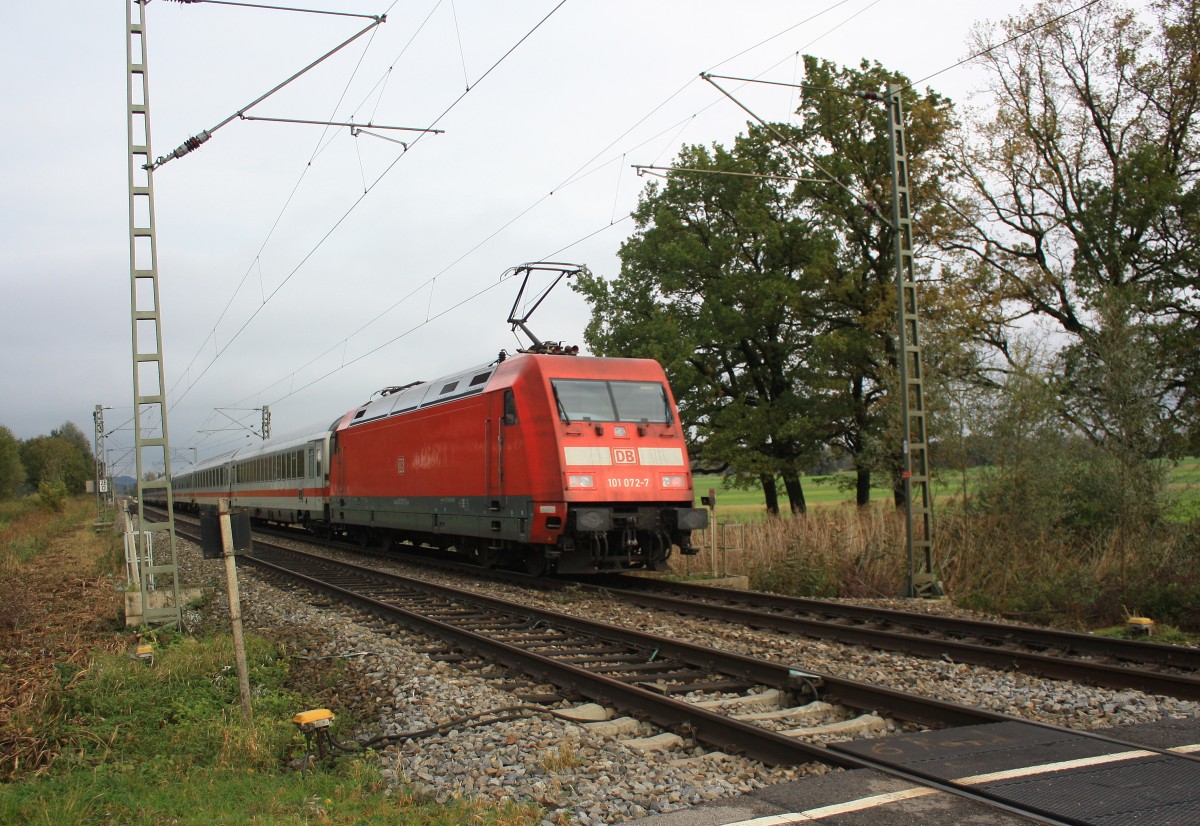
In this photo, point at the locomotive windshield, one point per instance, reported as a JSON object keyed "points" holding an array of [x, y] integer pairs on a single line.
{"points": [[611, 401]]}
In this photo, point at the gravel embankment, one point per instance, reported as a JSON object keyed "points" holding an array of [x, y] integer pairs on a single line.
{"points": [[580, 777]]}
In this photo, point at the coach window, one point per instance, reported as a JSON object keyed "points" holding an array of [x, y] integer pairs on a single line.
{"points": [[510, 408]]}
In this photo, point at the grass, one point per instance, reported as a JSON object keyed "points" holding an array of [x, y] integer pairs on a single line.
{"points": [[818, 491], [1183, 486], [141, 744], [561, 757], [25, 528], [1161, 633]]}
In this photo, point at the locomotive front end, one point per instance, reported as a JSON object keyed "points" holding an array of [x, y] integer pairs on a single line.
{"points": [[626, 479]]}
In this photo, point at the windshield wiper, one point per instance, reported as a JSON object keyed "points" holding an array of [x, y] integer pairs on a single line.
{"points": [[562, 410]]}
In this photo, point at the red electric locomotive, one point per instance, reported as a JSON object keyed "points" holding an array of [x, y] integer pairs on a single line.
{"points": [[560, 462]]}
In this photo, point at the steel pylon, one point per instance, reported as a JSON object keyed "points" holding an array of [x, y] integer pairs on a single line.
{"points": [[151, 443]]}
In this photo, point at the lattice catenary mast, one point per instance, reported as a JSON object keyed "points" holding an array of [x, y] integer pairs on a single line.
{"points": [[151, 446], [921, 580]]}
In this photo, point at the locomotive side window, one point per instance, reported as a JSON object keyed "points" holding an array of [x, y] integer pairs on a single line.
{"points": [[510, 408], [611, 401]]}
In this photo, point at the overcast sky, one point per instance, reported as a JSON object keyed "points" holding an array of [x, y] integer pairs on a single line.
{"points": [[282, 282]]}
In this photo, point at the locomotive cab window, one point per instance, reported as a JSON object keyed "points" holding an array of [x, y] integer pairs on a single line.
{"points": [[510, 408], [590, 400]]}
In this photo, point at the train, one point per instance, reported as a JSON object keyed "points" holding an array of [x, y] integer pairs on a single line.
{"points": [[546, 460]]}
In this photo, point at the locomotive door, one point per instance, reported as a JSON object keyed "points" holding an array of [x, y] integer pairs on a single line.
{"points": [[493, 440]]}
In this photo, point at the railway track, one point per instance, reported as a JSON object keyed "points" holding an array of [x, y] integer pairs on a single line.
{"points": [[654, 678], [1147, 666], [1153, 668], [721, 699]]}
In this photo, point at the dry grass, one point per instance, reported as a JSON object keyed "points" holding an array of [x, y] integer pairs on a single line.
{"points": [[831, 552], [562, 757], [983, 561], [49, 621]]}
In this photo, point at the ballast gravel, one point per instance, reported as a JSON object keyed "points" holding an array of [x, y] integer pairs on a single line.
{"points": [[577, 776]]}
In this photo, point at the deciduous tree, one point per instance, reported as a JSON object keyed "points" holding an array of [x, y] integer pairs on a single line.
{"points": [[709, 285], [1082, 209], [12, 472], [771, 299], [53, 459]]}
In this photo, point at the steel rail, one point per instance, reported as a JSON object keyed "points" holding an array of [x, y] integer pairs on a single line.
{"points": [[1044, 665], [1176, 656]]}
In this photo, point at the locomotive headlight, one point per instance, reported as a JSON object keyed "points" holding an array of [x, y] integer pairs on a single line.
{"points": [[674, 482], [584, 481]]}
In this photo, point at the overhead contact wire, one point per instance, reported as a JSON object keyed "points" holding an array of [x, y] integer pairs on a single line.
{"points": [[360, 199], [270, 233], [570, 179]]}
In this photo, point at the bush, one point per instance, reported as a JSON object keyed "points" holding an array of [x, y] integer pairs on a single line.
{"points": [[53, 495]]}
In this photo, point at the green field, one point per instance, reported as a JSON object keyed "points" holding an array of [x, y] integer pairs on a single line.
{"points": [[838, 489]]}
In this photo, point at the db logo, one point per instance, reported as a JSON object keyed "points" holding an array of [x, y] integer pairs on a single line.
{"points": [[624, 456]]}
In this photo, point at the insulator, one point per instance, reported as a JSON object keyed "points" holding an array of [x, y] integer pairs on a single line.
{"points": [[192, 143]]}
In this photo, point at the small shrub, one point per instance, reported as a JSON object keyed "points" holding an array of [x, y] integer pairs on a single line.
{"points": [[53, 496]]}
